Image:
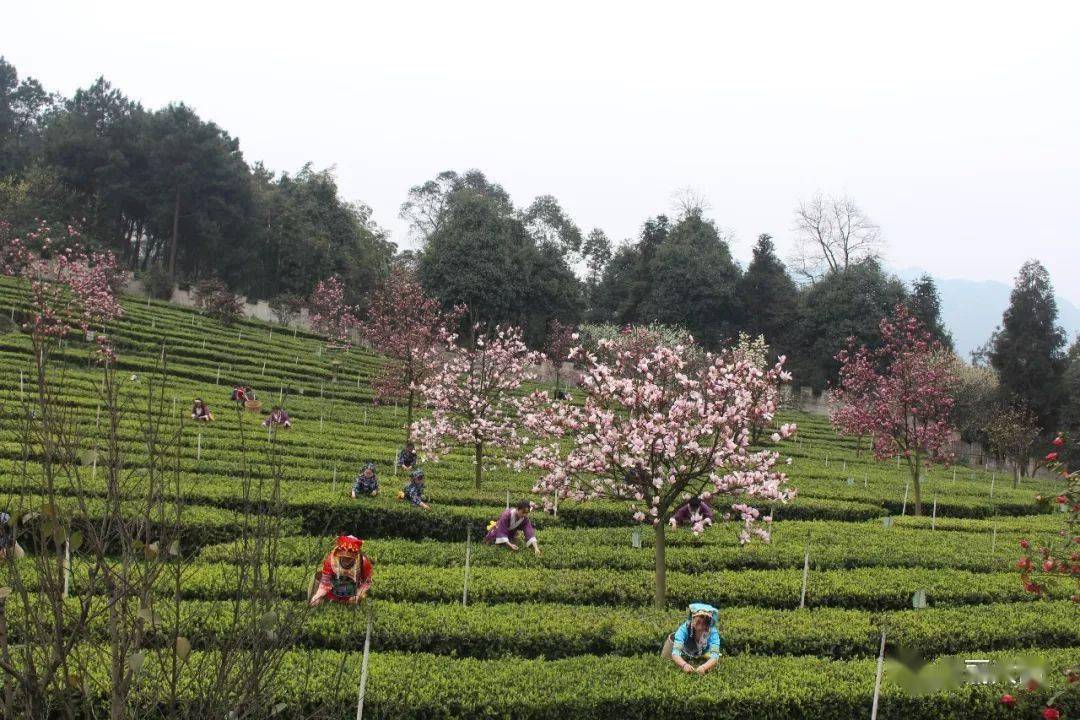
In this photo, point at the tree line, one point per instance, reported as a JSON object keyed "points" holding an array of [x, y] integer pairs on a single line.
{"points": [[172, 195]]}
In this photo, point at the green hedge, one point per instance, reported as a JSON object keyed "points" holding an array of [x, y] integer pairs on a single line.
{"points": [[557, 631], [422, 686], [865, 588], [834, 545]]}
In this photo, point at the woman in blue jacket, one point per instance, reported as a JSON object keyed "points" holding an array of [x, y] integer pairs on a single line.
{"points": [[698, 639]]}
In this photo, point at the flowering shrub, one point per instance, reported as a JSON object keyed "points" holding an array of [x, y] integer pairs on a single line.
{"points": [[900, 394], [329, 314], [214, 298], [286, 307], [410, 329], [67, 289], [472, 400], [652, 429]]}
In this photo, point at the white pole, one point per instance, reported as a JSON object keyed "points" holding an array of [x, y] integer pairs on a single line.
{"points": [[264, 367], [365, 416], [320, 422], [507, 499], [468, 559], [933, 515], [992, 478], [97, 417], [217, 379], [198, 449], [826, 460], [903, 510], [334, 487], [877, 681], [174, 405], [281, 395], [239, 335], [865, 480], [993, 543], [93, 471], [805, 572], [67, 566], [363, 671], [845, 465], [897, 461], [271, 332], [22, 384]]}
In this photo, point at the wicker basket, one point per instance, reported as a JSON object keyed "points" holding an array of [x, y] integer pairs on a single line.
{"points": [[253, 406]]}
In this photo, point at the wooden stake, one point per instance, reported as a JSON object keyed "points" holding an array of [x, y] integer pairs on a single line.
{"points": [[933, 515], [903, 510], [363, 670], [468, 559], [992, 478], [877, 680], [805, 572]]}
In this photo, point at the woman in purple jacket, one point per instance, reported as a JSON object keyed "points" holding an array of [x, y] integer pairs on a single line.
{"points": [[694, 513], [513, 520]]}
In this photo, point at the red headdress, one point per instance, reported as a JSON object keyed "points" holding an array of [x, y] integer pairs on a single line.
{"points": [[348, 543]]}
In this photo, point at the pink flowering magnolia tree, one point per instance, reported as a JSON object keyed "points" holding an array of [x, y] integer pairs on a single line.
{"points": [[473, 401], [655, 426], [66, 290], [900, 394], [410, 329], [329, 314]]}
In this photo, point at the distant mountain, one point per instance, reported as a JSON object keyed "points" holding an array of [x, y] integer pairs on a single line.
{"points": [[972, 309]]}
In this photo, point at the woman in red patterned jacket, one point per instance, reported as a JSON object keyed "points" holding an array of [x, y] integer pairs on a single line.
{"points": [[346, 573]]}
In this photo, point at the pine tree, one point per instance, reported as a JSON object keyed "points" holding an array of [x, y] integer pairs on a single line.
{"points": [[1028, 352]]}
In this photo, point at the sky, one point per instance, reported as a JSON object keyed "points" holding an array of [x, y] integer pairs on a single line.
{"points": [[953, 125]]}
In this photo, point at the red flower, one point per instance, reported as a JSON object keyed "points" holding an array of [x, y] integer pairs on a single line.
{"points": [[1059, 441], [1051, 457], [1051, 713], [1061, 499], [1024, 564], [1048, 565], [1008, 700], [1025, 544]]}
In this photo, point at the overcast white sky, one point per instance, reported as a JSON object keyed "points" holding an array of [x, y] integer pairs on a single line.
{"points": [[955, 125]]}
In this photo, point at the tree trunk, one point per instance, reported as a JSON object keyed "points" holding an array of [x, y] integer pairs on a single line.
{"points": [[915, 472], [479, 464], [175, 236], [408, 416], [1016, 475], [660, 598]]}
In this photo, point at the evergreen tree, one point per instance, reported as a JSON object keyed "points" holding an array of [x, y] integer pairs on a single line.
{"points": [[1070, 413], [692, 282], [843, 304], [925, 306], [768, 297], [1028, 349]]}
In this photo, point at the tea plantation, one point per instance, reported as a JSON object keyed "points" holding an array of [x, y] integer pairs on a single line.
{"points": [[570, 633]]}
